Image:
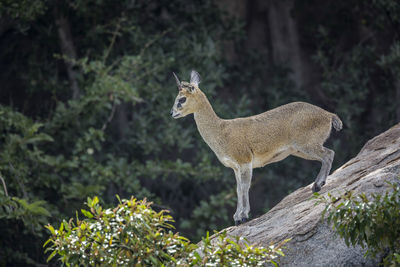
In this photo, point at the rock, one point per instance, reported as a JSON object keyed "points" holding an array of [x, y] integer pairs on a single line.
{"points": [[313, 242]]}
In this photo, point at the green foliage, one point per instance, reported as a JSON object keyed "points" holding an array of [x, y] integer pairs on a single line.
{"points": [[132, 234], [369, 221], [33, 215], [223, 251], [127, 235], [26, 219], [117, 137], [25, 10]]}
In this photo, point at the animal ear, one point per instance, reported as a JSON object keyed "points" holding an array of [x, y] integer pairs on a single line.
{"points": [[178, 83], [195, 78]]}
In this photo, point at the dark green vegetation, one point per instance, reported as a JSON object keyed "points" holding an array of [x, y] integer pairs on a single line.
{"points": [[86, 89], [132, 234], [370, 221]]}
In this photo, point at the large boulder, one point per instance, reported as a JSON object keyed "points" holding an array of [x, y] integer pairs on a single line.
{"points": [[313, 242]]}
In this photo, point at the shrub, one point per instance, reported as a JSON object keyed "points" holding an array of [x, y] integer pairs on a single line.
{"points": [[369, 221], [227, 252], [133, 234]]}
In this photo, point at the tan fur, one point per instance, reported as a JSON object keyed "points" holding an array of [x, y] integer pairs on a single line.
{"points": [[298, 129]]}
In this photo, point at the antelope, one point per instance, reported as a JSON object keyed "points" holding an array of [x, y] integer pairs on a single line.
{"points": [[299, 129]]}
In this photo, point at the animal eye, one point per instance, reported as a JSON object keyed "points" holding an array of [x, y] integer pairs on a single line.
{"points": [[182, 100]]}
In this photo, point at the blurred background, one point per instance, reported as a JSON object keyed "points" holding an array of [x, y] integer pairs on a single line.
{"points": [[87, 85]]}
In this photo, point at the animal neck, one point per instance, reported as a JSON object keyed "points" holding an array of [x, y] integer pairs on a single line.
{"points": [[208, 123], [205, 114]]}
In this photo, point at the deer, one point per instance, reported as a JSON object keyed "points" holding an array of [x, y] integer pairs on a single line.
{"points": [[299, 129]]}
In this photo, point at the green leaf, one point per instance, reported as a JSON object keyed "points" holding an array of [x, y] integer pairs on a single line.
{"points": [[52, 255], [95, 201], [48, 241], [86, 213], [50, 228], [39, 138]]}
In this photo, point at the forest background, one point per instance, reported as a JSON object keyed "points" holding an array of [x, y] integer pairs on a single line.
{"points": [[87, 85]]}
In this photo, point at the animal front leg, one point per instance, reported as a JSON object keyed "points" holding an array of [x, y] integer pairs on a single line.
{"points": [[243, 180], [246, 171], [239, 192]]}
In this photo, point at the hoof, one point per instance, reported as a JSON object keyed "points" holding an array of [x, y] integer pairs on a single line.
{"points": [[243, 220], [317, 187]]}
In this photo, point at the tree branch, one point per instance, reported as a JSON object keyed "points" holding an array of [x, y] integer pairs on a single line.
{"points": [[4, 185], [113, 39], [110, 117]]}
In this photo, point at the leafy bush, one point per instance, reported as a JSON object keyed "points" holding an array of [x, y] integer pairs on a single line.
{"points": [[132, 234], [227, 252], [369, 221]]}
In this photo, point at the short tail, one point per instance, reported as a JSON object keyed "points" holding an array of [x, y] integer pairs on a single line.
{"points": [[337, 123]]}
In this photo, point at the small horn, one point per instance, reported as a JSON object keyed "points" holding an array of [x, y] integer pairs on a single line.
{"points": [[177, 81]]}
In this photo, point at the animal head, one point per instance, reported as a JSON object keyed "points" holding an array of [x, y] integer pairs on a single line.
{"points": [[186, 102]]}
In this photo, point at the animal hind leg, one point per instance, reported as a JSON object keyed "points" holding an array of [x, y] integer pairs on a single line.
{"points": [[321, 154], [328, 158]]}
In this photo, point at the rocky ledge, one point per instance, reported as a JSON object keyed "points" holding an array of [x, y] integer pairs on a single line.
{"points": [[313, 242]]}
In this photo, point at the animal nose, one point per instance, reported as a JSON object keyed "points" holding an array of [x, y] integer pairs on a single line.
{"points": [[171, 112]]}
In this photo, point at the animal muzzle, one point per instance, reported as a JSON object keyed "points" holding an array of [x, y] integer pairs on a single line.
{"points": [[174, 114]]}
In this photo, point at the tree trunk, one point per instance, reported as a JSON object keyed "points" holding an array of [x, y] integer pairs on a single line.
{"points": [[272, 32], [237, 9], [397, 86], [284, 38], [68, 51]]}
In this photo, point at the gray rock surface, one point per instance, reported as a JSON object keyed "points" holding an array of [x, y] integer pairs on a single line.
{"points": [[298, 217]]}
